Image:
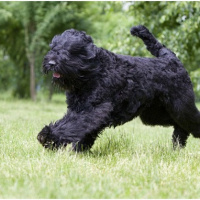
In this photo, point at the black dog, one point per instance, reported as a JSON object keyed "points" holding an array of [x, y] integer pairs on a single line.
{"points": [[105, 89]]}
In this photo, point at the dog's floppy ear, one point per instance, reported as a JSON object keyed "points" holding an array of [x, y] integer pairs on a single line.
{"points": [[80, 48]]}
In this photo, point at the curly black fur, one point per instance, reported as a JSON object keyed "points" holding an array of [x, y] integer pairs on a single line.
{"points": [[105, 89]]}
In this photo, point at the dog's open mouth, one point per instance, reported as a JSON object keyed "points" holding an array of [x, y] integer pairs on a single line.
{"points": [[56, 75]]}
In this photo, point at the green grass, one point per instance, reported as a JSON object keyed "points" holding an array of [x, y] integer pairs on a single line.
{"points": [[131, 161]]}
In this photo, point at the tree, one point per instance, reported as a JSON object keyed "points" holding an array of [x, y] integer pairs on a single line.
{"points": [[25, 34], [176, 24], [26, 28]]}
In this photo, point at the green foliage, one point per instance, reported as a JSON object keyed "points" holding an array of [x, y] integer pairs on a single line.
{"points": [[26, 34], [195, 76], [176, 25], [26, 29]]}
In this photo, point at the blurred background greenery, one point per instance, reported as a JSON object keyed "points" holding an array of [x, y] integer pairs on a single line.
{"points": [[26, 29]]}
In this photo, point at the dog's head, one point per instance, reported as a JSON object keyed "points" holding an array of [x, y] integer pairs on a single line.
{"points": [[71, 59]]}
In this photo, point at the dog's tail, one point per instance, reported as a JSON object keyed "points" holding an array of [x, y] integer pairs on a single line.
{"points": [[153, 45]]}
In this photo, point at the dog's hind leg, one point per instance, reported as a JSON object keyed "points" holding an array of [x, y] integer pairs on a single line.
{"points": [[153, 45], [187, 118], [179, 137]]}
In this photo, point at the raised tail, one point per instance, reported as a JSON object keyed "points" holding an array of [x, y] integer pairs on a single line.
{"points": [[153, 45]]}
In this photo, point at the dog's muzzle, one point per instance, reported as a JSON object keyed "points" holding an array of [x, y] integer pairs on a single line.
{"points": [[48, 66]]}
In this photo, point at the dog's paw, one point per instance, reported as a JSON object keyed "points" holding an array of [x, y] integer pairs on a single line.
{"points": [[45, 138], [51, 140]]}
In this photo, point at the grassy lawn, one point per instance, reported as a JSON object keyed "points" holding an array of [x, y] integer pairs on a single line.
{"points": [[131, 161]]}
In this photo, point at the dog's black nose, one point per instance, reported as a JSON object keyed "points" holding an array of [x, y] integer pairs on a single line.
{"points": [[52, 62]]}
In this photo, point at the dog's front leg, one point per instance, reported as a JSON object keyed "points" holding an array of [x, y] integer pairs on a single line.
{"points": [[80, 129]]}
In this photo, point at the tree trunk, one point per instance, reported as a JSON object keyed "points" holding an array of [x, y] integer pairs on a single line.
{"points": [[32, 77], [30, 50]]}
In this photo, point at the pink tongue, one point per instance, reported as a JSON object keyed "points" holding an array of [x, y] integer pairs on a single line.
{"points": [[56, 75]]}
